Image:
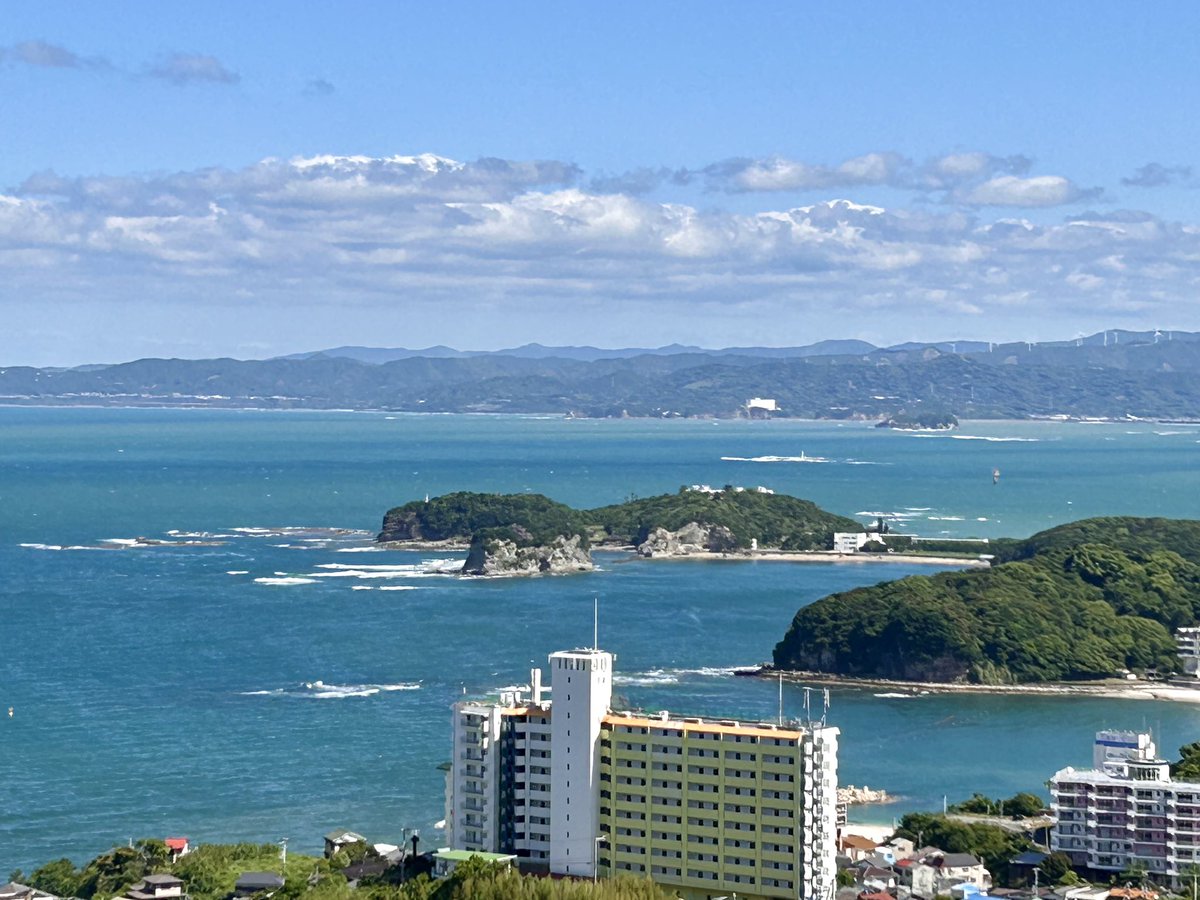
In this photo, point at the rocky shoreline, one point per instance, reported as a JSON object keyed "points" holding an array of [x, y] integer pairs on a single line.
{"points": [[692, 542]]}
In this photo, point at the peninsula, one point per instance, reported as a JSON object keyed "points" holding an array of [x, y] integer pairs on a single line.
{"points": [[1085, 601], [516, 534]]}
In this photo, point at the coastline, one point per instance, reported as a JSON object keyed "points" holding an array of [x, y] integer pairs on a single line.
{"points": [[800, 556], [1113, 689], [827, 556]]}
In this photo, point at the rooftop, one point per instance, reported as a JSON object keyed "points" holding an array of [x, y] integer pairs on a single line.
{"points": [[464, 855], [695, 723]]}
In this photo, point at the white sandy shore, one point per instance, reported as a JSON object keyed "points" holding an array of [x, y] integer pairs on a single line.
{"points": [[1114, 689], [829, 556]]}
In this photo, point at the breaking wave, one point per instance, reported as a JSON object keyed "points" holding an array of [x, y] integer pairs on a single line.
{"points": [[319, 690], [653, 677], [996, 440], [802, 458], [285, 580]]}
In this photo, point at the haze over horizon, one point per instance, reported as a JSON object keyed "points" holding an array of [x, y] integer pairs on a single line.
{"points": [[174, 185]]}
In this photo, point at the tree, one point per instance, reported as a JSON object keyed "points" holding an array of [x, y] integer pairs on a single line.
{"points": [[59, 878], [1055, 867]]}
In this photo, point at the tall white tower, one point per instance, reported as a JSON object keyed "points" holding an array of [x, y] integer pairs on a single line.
{"points": [[582, 684]]}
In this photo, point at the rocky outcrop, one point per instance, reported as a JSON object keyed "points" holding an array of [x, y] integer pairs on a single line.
{"points": [[500, 557], [692, 538], [851, 795]]}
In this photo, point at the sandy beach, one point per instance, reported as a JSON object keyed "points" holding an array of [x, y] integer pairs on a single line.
{"points": [[829, 556], [1112, 688]]}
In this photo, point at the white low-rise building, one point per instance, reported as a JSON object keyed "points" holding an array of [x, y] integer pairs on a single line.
{"points": [[850, 541]]}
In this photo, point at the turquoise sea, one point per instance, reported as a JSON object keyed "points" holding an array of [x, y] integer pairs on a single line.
{"points": [[168, 690]]}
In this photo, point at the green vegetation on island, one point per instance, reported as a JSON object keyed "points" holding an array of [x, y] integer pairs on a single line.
{"points": [[1087, 600], [745, 516], [525, 519], [210, 871]]}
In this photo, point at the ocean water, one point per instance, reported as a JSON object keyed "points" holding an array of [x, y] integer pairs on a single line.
{"points": [[269, 674]]}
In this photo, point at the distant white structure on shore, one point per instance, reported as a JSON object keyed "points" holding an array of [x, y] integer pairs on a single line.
{"points": [[764, 404], [851, 541]]}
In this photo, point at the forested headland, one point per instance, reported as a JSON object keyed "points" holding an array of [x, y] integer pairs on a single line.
{"points": [[1086, 600]]}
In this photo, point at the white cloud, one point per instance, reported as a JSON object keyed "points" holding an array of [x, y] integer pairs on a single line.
{"points": [[186, 68], [501, 238], [1039, 190]]}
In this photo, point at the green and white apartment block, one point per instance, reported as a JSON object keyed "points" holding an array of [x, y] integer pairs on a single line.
{"points": [[709, 809]]}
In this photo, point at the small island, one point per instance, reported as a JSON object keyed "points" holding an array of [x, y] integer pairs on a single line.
{"points": [[1090, 600], [926, 420], [525, 534]]}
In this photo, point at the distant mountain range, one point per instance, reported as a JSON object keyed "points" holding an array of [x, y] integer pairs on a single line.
{"points": [[1106, 375], [380, 355]]}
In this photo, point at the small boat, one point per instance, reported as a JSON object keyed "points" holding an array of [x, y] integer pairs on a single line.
{"points": [[995, 476]]}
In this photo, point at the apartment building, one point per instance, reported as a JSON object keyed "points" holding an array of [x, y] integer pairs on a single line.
{"points": [[1126, 811], [706, 808], [1187, 641]]}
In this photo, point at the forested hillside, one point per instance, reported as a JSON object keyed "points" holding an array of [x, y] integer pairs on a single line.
{"points": [[773, 520], [1081, 601]]}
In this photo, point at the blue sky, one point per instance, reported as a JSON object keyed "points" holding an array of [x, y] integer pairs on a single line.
{"points": [[207, 179]]}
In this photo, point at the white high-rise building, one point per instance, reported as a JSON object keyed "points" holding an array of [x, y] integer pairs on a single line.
{"points": [[582, 684], [706, 808], [1126, 811]]}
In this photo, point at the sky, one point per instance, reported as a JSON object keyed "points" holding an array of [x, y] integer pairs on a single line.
{"points": [[249, 180]]}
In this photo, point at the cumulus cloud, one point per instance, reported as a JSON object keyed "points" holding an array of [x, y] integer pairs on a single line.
{"points": [[1157, 175], [42, 54], [504, 235], [187, 68], [1035, 191], [319, 87], [883, 169]]}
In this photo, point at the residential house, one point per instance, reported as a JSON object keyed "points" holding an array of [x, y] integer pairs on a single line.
{"points": [[336, 840], [15, 891], [446, 861], [937, 872], [177, 847], [856, 847], [156, 887], [251, 883]]}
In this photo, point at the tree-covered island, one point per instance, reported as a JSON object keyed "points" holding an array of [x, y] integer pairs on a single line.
{"points": [[922, 420], [1086, 600], [518, 533]]}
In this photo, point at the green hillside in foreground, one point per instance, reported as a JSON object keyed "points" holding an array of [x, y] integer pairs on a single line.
{"points": [[773, 520], [1081, 601]]}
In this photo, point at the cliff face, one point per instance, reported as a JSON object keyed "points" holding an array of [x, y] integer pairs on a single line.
{"points": [[691, 538], [500, 557], [402, 524]]}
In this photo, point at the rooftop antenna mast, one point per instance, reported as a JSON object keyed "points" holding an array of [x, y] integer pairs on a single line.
{"points": [[780, 699], [595, 623]]}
